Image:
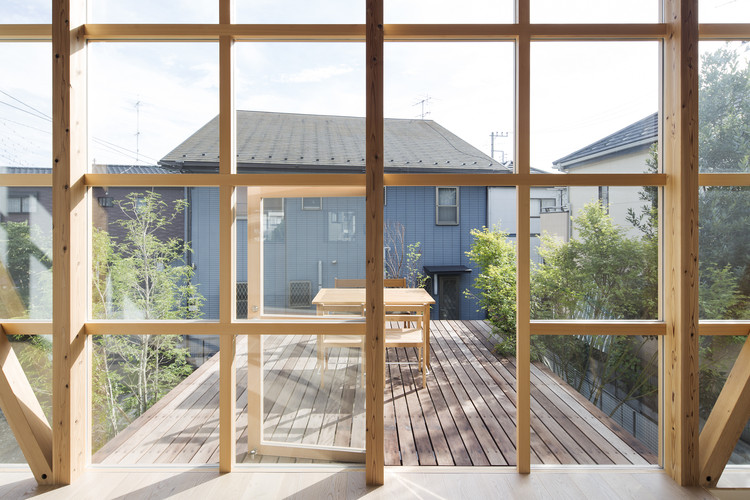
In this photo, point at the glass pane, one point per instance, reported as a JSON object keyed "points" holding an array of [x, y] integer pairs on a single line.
{"points": [[299, 407], [593, 106], [438, 122], [594, 399], [34, 353], [26, 12], [724, 286], [165, 11], [596, 260], [717, 357], [595, 11], [724, 100], [300, 11], [26, 252], [447, 196], [145, 99], [723, 11], [445, 11], [155, 399], [302, 79], [26, 104], [155, 253], [447, 215]]}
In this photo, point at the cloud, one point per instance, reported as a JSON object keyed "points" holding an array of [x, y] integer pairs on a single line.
{"points": [[312, 75]]}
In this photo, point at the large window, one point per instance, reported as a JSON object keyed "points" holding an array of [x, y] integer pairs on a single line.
{"points": [[295, 137]]}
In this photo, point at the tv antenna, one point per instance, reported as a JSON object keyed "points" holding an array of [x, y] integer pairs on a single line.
{"points": [[423, 103]]}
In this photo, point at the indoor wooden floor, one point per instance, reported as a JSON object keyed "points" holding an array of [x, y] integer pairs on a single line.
{"points": [[290, 481], [465, 416]]}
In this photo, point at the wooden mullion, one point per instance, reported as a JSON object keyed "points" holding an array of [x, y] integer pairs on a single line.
{"points": [[375, 337], [681, 242], [228, 245], [71, 449], [523, 242]]}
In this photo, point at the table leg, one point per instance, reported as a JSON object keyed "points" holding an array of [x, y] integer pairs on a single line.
{"points": [[427, 338]]}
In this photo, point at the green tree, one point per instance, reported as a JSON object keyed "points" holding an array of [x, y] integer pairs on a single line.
{"points": [[402, 259], [23, 244], [495, 256], [142, 275], [601, 274]]}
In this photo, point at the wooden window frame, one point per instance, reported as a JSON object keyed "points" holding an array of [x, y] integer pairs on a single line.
{"points": [[71, 184]]}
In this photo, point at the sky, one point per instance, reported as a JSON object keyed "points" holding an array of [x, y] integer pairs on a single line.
{"points": [[146, 98]]}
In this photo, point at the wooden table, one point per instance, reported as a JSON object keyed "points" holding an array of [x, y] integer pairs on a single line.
{"points": [[338, 299]]}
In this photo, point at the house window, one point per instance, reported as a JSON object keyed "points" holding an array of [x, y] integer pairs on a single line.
{"points": [[446, 208], [273, 219], [341, 226], [21, 204], [312, 203], [604, 197]]}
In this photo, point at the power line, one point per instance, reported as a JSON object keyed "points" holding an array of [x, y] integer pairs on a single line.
{"points": [[27, 105]]}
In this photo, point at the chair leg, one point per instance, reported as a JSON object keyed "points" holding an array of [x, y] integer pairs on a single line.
{"points": [[421, 367]]}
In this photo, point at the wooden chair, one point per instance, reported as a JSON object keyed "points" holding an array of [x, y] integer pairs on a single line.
{"points": [[326, 342], [360, 283], [410, 335]]}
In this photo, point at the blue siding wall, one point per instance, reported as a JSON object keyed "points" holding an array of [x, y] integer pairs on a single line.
{"points": [[414, 207], [306, 242]]}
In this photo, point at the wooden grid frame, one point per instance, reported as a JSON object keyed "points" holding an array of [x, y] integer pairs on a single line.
{"points": [[678, 33]]}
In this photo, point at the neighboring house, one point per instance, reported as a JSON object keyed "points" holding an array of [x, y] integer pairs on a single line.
{"points": [[625, 151], [308, 242]]}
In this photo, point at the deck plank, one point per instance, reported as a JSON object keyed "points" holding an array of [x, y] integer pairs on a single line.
{"points": [[464, 416]]}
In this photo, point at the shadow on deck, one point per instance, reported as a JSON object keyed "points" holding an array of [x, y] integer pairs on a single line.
{"points": [[465, 415]]}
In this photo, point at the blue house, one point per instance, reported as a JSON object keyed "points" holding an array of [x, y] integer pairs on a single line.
{"points": [[309, 242]]}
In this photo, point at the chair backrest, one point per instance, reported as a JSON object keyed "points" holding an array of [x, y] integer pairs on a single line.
{"points": [[360, 283], [405, 313]]}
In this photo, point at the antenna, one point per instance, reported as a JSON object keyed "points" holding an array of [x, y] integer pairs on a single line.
{"points": [[137, 129], [425, 101]]}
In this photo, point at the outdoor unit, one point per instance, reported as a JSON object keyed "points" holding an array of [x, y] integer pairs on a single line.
{"points": [[241, 300], [300, 294]]}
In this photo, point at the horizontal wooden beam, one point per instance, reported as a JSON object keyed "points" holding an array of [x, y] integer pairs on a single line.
{"points": [[724, 179], [355, 32], [26, 327], [198, 180], [509, 179], [26, 180], [724, 31], [212, 32], [724, 327], [24, 414], [597, 327], [250, 327], [23, 32], [726, 421]]}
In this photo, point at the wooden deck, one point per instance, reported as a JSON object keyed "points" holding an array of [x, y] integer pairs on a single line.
{"points": [[465, 415]]}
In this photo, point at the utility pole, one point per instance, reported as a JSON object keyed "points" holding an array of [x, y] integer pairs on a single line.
{"points": [[499, 135], [137, 129]]}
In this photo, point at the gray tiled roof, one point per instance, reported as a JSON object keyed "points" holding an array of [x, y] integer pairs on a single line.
{"points": [[641, 133], [273, 142], [97, 169]]}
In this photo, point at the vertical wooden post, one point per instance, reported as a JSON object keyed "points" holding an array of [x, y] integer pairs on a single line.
{"points": [[254, 309], [228, 244], [71, 449], [681, 241], [375, 341], [523, 242]]}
